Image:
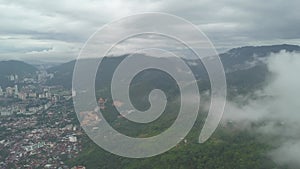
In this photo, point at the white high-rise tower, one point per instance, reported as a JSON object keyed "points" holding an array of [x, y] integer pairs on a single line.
{"points": [[1, 91], [16, 90]]}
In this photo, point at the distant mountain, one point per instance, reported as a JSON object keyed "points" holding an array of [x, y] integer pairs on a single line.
{"points": [[16, 67], [13, 67], [245, 67], [62, 74], [249, 56]]}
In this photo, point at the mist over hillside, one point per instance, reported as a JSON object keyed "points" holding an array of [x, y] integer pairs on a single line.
{"points": [[274, 108]]}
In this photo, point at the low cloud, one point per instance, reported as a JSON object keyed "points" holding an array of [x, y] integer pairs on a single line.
{"points": [[276, 108]]}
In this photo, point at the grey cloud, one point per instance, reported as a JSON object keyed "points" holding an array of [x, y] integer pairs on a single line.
{"points": [[228, 23], [234, 22]]}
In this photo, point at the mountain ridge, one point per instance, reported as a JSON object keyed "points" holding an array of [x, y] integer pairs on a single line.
{"points": [[18, 67], [237, 59]]}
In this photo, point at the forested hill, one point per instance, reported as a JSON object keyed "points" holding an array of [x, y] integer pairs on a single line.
{"points": [[16, 67]]}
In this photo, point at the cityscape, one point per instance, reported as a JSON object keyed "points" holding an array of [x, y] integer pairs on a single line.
{"points": [[38, 124]]}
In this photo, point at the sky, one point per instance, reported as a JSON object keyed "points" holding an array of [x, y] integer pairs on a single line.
{"points": [[56, 30]]}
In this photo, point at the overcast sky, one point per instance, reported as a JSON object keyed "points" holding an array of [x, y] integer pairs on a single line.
{"points": [[56, 30]]}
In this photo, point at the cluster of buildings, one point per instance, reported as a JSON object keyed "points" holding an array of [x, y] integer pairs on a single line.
{"points": [[44, 140], [9, 91], [27, 100], [78, 167], [27, 91], [40, 77], [13, 77], [46, 148], [37, 129]]}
